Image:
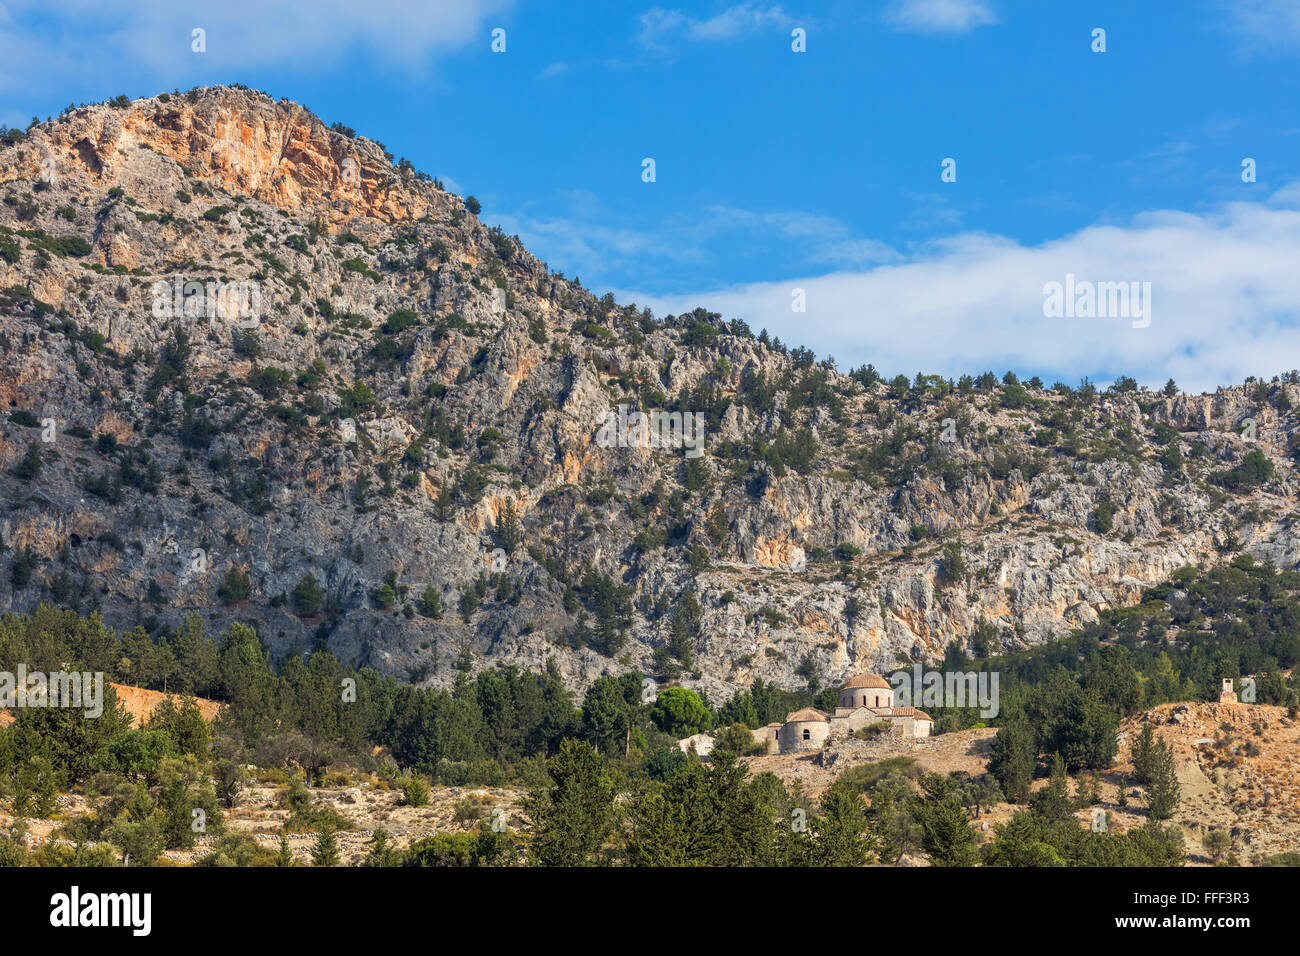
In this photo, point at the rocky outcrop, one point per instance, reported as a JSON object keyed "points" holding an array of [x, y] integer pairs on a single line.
{"points": [[238, 141]]}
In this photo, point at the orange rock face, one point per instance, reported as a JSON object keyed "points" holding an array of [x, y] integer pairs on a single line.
{"points": [[244, 143]]}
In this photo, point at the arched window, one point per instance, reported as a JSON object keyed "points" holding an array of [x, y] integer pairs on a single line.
{"points": [[807, 735]]}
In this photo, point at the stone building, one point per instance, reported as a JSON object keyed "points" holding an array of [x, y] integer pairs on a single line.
{"points": [[865, 700], [1227, 695], [866, 690], [805, 729]]}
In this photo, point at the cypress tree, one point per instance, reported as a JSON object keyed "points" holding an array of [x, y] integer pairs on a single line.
{"points": [[285, 856], [1143, 751], [1163, 792]]}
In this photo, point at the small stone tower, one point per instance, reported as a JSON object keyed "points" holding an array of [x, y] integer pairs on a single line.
{"points": [[1227, 695]]}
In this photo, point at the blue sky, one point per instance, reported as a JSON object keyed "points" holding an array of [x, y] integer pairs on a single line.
{"points": [[819, 170]]}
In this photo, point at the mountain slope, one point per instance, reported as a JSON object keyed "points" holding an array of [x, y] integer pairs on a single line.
{"points": [[387, 419]]}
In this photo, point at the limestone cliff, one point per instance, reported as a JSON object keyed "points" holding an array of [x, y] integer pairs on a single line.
{"points": [[416, 390]]}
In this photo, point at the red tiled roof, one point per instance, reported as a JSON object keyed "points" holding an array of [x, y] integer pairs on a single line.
{"points": [[807, 714], [911, 712], [867, 680]]}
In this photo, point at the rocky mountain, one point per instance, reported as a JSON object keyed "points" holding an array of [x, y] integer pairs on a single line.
{"points": [[252, 368]]}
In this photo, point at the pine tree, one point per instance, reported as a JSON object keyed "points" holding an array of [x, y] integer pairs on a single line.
{"points": [[894, 818], [987, 792], [509, 535], [1053, 801], [381, 852], [1012, 759], [572, 817], [841, 833], [685, 623], [308, 597], [326, 850], [235, 586], [431, 603], [285, 856], [1143, 750], [1163, 792], [946, 833], [444, 502], [1087, 792], [29, 466]]}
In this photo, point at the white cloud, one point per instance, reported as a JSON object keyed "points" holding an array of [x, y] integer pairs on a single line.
{"points": [[659, 26], [580, 239], [939, 16], [1264, 25], [822, 238], [1288, 195], [590, 248], [97, 38], [1171, 149], [1225, 301], [931, 212]]}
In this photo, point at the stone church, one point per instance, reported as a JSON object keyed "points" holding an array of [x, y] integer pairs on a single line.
{"points": [[865, 700]]}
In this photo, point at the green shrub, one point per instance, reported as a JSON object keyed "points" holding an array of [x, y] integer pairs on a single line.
{"points": [[415, 791]]}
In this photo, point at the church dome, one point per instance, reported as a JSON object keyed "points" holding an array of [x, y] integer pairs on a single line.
{"points": [[874, 681]]}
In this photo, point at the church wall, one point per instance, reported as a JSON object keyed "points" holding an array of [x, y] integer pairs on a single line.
{"points": [[769, 737], [866, 697], [792, 735]]}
